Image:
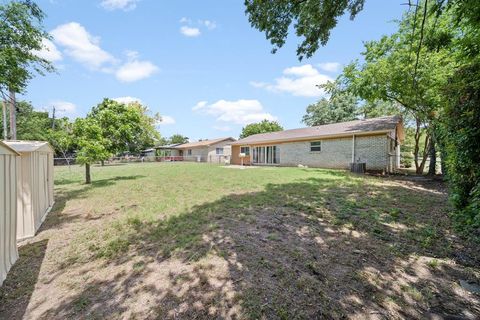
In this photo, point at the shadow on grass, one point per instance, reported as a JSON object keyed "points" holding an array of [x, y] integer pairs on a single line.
{"points": [[18, 287], [313, 249]]}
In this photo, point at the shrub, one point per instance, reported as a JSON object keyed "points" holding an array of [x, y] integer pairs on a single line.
{"points": [[406, 159], [460, 135]]}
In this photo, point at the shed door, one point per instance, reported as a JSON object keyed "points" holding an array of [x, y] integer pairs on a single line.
{"points": [[43, 196]]}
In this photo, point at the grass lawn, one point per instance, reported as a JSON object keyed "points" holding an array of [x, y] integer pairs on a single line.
{"points": [[198, 241]]}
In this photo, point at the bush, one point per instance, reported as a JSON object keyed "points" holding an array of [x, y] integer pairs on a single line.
{"points": [[460, 136], [406, 159]]}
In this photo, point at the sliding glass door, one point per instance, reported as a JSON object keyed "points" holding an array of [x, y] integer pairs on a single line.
{"points": [[266, 155]]}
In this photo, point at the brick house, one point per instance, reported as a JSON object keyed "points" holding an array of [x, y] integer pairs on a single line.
{"points": [[375, 142], [209, 150]]}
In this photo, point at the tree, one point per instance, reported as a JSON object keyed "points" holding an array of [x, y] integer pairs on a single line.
{"points": [[392, 73], [459, 124], [22, 35], [90, 142], [261, 127], [125, 127], [177, 138], [339, 107], [311, 19]]}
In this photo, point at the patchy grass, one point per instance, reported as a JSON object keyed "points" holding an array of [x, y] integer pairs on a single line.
{"points": [[200, 241]]}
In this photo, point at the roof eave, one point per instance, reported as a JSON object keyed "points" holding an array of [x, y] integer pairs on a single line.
{"points": [[349, 134]]}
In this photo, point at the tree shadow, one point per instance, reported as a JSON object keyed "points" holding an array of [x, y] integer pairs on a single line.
{"points": [[310, 249], [20, 283]]}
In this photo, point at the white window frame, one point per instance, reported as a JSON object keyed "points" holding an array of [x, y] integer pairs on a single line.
{"points": [[246, 153], [316, 146], [219, 153], [266, 155], [189, 152]]}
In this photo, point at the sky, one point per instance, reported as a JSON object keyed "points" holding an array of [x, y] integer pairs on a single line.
{"points": [[198, 63]]}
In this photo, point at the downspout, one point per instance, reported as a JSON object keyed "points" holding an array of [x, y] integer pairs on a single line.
{"points": [[353, 148]]}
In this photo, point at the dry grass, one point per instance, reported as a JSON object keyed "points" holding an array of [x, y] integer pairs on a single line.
{"points": [[195, 241]]}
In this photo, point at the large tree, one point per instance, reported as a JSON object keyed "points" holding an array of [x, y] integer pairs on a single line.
{"points": [[177, 138], [311, 19], [90, 142], [392, 72], [21, 36], [125, 127], [261, 127], [341, 105]]}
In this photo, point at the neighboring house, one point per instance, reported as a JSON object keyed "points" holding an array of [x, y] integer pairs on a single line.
{"points": [[375, 142], [214, 150]]}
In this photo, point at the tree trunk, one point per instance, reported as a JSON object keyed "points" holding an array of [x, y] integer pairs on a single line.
{"points": [[13, 117], [432, 168], [4, 118], [103, 163], [426, 148], [88, 179], [417, 147]]}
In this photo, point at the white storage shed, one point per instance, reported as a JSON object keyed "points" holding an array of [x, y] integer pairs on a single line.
{"points": [[35, 185], [8, 209]]}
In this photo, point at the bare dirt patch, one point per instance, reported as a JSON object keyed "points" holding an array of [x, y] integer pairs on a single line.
{"points": [[322, 244]]}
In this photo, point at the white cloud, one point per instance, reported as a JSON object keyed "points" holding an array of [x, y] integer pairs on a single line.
{"points": [[81, 46], [185, 20], [239, 112], [210, 25], [299, 81], [189, 31], [167, 120], [330, 66], [63, 108], [49, 51], [222, 128], [135, 70], [200, 105], [124, 5], [127, 100]]}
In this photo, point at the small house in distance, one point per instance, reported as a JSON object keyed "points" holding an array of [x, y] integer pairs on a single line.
{"points": [[375, 142], [208, 150], [8, 209], [34, 185]]}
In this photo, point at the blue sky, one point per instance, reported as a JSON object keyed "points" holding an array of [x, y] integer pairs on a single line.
{"points": [[198, 63]]}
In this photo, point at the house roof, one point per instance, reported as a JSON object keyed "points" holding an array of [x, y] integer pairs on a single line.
{"points": [[203, 143], [168, 146], [382, 124], [22, 146]]}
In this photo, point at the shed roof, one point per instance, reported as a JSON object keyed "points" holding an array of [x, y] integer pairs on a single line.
{"points": [[23, 146], [334, 129], [203, 143], [6, 146]]}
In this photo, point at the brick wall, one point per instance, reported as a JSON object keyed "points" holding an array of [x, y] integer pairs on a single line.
{"points": [[337, 153]]}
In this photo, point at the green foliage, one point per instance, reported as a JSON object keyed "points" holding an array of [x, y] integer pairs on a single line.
{"points": [[90, 141], [125, 127], [461, 135], [312, 19], [343, 105], [177, 138], [21, 34], [406, 159], [38, 126], [340, 106], [261, 127]]}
